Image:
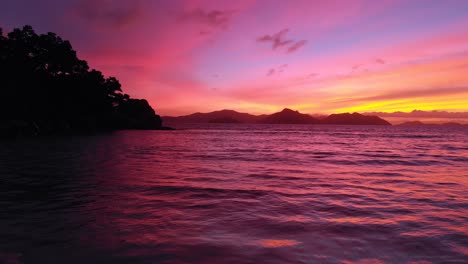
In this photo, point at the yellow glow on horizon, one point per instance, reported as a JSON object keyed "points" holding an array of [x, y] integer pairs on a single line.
{"points": [[459, 103]]}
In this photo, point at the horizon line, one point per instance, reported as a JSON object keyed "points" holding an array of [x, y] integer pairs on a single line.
{"points": [[437, 111]]}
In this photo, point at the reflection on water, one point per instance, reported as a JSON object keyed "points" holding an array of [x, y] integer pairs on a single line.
{"points": [[277, 243], [237, 194]]}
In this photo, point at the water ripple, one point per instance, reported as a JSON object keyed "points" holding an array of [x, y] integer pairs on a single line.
{"points": [[237, 194]]}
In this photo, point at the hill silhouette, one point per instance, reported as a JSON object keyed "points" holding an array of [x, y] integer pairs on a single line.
{"points": [[230, 116], [354, 119], [286, 116], [412, 123], [47, 89], [418, 114]]}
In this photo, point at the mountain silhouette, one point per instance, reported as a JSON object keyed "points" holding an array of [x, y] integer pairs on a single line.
{"points": [[412, 123], [418, 114], [353, 119], [286, 116], [47, 89], [230, 116]]}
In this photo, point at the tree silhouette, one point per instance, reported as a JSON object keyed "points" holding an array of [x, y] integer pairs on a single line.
{"points": [[46, 88]]}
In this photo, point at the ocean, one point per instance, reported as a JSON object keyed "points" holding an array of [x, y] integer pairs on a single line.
{"points": [[237, 194]]}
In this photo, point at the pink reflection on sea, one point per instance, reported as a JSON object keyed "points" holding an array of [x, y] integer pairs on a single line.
{"points": [[274, 243], [275, 194]]}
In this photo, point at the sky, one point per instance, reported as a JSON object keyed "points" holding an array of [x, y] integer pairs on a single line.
{"points": [[187, 56]]}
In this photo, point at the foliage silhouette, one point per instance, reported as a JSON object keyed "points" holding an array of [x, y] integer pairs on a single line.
{"points": [[47, 89]]}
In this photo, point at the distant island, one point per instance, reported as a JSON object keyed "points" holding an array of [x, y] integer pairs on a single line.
{"points": [[418, 114], [286, 116], [46, 89], [423, 118], [419, 123]]}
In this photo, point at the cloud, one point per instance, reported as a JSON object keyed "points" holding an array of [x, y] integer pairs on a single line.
{"points": [[213, 18], [278, 40], [271, 72], [119, 14], [203, 32], [277, 70], [379, 61], [296, 46]]}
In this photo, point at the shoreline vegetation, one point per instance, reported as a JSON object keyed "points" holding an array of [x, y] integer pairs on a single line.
{"points": [[47, 90]]}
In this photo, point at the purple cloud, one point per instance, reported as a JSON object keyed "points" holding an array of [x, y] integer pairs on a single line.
{"points": [[118, 15], [296, 46], [277, 70], [213, 18], [278, 40], [271, 72], [379, 61]]}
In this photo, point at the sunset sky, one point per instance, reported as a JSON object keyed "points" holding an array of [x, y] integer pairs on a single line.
{"points": [[263, 56]]}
